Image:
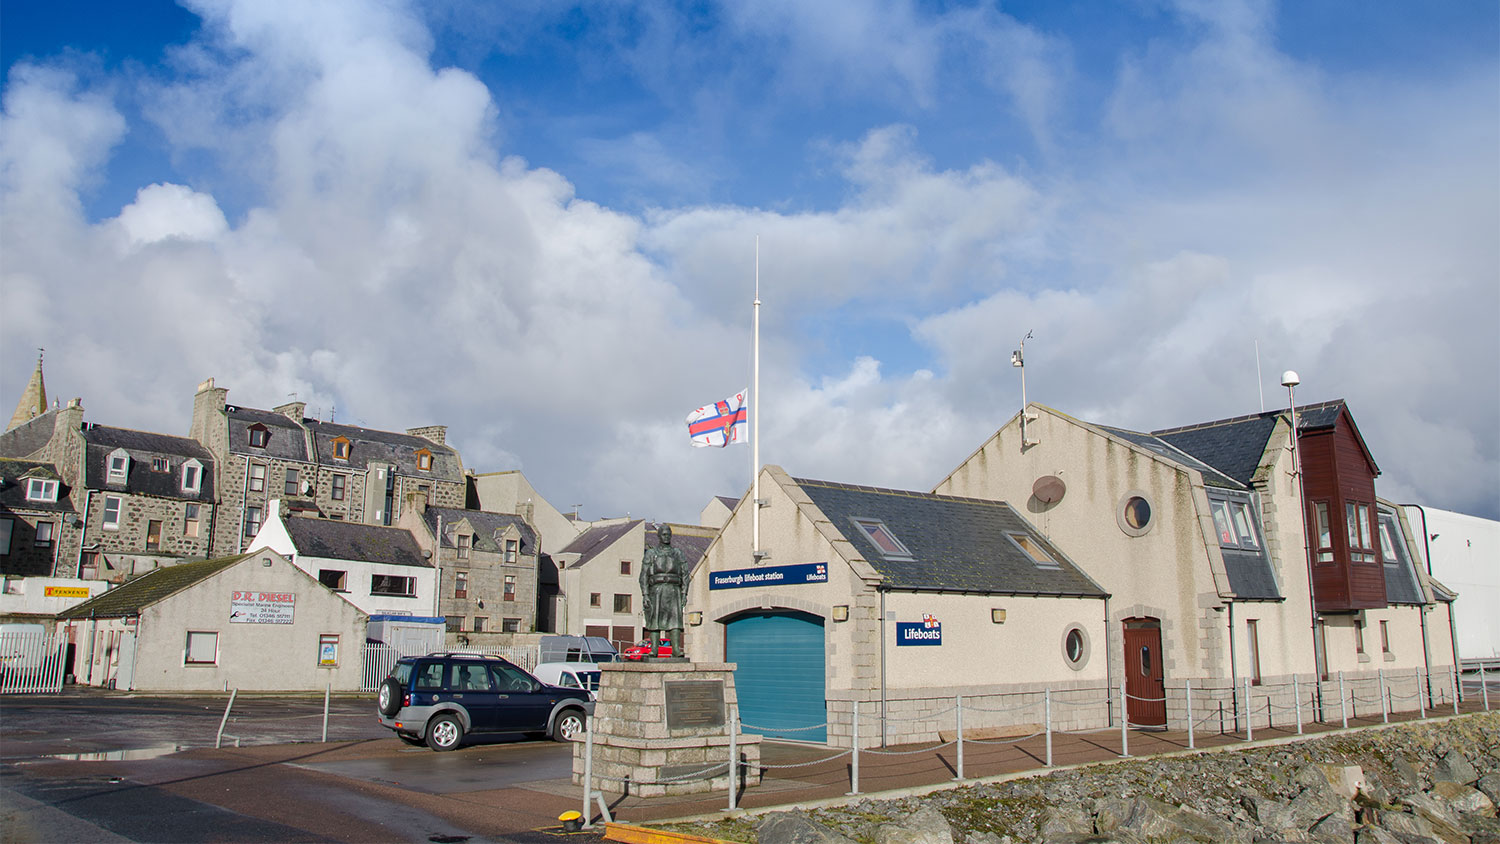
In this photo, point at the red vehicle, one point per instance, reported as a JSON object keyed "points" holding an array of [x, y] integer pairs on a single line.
{"points": [[643, 649]]}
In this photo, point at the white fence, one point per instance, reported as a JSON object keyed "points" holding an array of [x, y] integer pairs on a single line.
{"points": [[379, 659], [31, 663]]}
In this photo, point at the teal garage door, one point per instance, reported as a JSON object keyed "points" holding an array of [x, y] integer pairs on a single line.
{"points": [[780, 673]]}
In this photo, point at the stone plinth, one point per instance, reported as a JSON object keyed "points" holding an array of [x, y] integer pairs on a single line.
{"points": [[659, 721]]}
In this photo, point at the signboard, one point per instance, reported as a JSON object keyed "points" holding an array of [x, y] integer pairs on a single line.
{"points": [[262, 607], [769, 576], [695, 703], [928, 631], [66, 591]]}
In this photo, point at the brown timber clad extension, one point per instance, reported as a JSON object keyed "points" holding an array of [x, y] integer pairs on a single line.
{"points": [[1338, 474]]}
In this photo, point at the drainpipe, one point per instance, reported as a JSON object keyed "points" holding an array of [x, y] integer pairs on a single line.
{"points": [[882, 668], [1234, 670], [437, 563], [1109, 671], [88, 678], [88, 496], [244, 495]]}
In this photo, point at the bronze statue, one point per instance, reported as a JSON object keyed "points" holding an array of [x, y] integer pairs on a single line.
{"points": [[664, 580]]}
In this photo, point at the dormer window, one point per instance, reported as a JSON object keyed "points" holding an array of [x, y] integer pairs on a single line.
{"points": [[41, 489], [885, 542], [1235, 524], [464, 543], [1033, 549], [424, 460], [192, 476], [119, 466], [260, 435], [159, 464], [341, 448]]}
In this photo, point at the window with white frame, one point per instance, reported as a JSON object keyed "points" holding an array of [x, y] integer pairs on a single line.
{"points": [[190, 520], [1361, 544], [113, 504], [41, 489], [510, 587], [252, 520], [290, 486], [44, 532], [1234, 521], [260, 435], [511, 547], [257, 477], [1033, 550], [160, 464], [119, 466], [881, 536], [202, 648], [192, 476], [460, 584], [462, 542], [338, 482], [392, 584]]}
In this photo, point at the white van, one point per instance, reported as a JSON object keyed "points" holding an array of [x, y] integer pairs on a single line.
{"points": [[570, 675]]}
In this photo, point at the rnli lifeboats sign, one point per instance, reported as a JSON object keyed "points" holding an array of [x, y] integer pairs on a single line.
{"points": [[769, 576], [262, 607], [928, 631]]}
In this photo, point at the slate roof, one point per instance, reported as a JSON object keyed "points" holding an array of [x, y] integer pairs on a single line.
{"points": [[371, 446], [956, 544], [13, 475], [592, 542], [1157, 445], [338, 540], [486, 526], [728, 501], [287, 439], [140, 478], [1401, 586], [1250, 575], [1235, 446], [131, 597], [30, 437]]}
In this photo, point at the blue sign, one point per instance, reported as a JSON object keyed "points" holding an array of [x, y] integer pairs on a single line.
{"points": [[769, 576], [928, 631]]}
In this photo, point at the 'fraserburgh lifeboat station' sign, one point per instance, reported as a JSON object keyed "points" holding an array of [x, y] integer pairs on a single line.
{"points": [[769, 576], [928, 631]]}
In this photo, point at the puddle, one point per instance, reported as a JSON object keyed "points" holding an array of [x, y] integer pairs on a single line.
{"points": [[119, 755]]}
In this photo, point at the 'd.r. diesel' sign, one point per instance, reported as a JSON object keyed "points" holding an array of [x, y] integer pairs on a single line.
{"points": [[928, 631], [262, 607], [769, 576]]}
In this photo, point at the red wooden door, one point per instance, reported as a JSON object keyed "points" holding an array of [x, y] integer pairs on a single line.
{"points": [[1145, 689]]}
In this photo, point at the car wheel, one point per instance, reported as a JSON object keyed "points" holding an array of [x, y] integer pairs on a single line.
{"points": [[389, 700], [568, 726], [444, 733]]}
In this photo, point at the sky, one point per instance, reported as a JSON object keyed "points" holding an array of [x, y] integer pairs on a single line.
{"points": [[536, 222]]}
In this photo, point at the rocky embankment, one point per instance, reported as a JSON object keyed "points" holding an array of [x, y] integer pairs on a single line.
{"points": [[1427, 783]]}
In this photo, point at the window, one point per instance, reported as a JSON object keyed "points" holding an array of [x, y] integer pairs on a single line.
{"points": [[1385, 638], [260, 435], [479, 623], [462, 542], [119, 466], [257, 477], [111, 512], [1076, 647], [424, 459], [88, 565], [1325, 532], [44, 533], [192, 476], [511, 546], [341, 447], [333, 579], [41, 489], [426, 492], [461, 584], [290, 486], [429, 678], [338, 487], [1359, 636], [6, 526], [885, 542], [1133, 513], [510, 588], [595, 599], [1033, 550], [622, 603], [1361, 549], [328, 650], [510, 625], [1252, 634], [202, 648], [453, 623], [391, 584], [252, 521], [624, 567], [159, 464], [153, 535], [190, 520], [1235, 523]]}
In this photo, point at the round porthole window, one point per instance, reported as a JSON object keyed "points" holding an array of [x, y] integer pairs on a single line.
{"points": [[1134, 513], [1075, 646]]}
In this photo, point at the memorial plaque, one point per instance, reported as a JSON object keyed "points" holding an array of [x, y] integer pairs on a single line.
{"points": [[695, 703]]}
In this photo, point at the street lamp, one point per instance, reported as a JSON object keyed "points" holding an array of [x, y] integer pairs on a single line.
{"points": [[1290, 380]]}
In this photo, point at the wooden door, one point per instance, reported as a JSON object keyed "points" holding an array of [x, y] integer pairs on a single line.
{"points": [[1145, 686]]}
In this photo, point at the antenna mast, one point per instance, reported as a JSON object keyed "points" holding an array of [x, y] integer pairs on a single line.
{"points": [[1018, 360]]}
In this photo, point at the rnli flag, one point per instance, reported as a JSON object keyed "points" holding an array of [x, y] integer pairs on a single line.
{"points": [[720, 423]]}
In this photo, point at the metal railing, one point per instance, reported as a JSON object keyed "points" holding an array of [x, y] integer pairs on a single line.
{"points": [[378, 659], [32, 662]]}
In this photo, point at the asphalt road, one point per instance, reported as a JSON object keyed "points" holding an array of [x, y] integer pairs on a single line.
{"points": [[96, 766]]}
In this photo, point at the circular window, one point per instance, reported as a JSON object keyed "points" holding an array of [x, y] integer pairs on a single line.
{"points": [[1075, 646], [1134, 513]]}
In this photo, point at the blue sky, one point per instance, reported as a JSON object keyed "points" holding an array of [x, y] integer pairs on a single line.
{"points": [[535, 222]]}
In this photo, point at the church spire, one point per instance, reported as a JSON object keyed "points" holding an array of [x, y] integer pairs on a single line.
{"points": [[33, 401]]}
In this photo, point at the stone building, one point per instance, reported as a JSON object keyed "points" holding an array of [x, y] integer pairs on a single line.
{"points": [[37, 518], [487, 570], [347, 472]]}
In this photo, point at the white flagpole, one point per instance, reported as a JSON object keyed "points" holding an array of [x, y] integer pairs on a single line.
{"points": [[755, 415]]}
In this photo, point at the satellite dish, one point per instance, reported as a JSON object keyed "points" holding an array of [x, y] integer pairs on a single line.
{"points": [[1049, 489]]}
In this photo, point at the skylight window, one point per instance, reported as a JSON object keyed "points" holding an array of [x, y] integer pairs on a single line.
{"points": [[885, 542], [1033, 549]]}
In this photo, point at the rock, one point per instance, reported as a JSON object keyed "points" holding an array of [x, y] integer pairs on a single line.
{"points": [[987, 837], [1335, 829], [1110, 814], [1375, 835], [1201, 827], [1408, 772], [1065, 821], [1345, 780], [924, 826], [1462, 798], [796, 828], [1453, 766], [1445, 825], [1482, 830], [1489, 784], [1317, 802], [1145, 818], [1408, 827]]}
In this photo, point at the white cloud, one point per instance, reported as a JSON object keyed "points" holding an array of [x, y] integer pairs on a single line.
{"points": [[164, 211]]}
